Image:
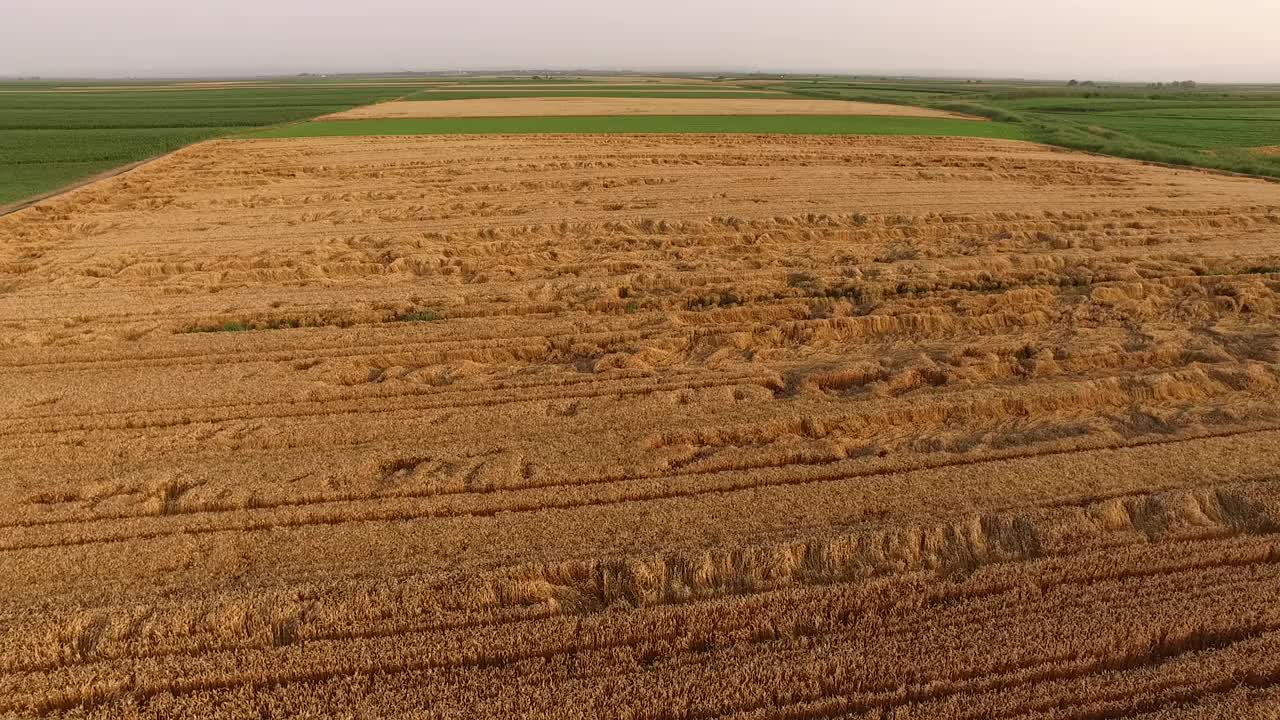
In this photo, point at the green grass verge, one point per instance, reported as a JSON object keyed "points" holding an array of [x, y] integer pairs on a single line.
{"points": [[755, 124]]}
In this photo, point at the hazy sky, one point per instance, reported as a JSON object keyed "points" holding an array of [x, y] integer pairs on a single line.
{"points": [[1204, 40]]}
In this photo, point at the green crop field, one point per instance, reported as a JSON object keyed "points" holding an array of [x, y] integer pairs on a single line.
{"points": [[1209, 131], [1214, 127], [49, 138], [1207, 123], [784, 124], [34, 161]]}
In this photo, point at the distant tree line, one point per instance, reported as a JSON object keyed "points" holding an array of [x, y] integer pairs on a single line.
{"points": [[1179, 85]]}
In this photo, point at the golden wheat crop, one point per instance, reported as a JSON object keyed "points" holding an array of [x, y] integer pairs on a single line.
{"points": [[583, 106], [642, 427]]}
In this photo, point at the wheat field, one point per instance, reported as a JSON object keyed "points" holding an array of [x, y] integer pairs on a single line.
{"points": [[642, 427], [589, 106]]}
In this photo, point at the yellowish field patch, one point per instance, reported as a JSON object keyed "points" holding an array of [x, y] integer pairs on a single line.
{"points": [[652, 426], [580, 106], [630, 87], [647, 79]]}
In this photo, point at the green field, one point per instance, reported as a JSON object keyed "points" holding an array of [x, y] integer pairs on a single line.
{"points": [[586, 87], [36, 160], [761, 124], [1213, 126], [50, 139]]}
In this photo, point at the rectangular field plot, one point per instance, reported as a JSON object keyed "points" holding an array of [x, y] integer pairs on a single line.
{"points": [[587, 106], [641, 426], [654, 124]]}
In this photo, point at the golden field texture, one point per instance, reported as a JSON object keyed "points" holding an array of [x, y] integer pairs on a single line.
{"points": [[587, 106], [642, 427]]}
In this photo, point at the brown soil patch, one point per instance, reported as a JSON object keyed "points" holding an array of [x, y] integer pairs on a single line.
{"points": [[686, 427], [1268, 150], [581, 106]]}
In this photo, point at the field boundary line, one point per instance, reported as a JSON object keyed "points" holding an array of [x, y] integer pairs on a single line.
{"points": [[104, 175]]}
